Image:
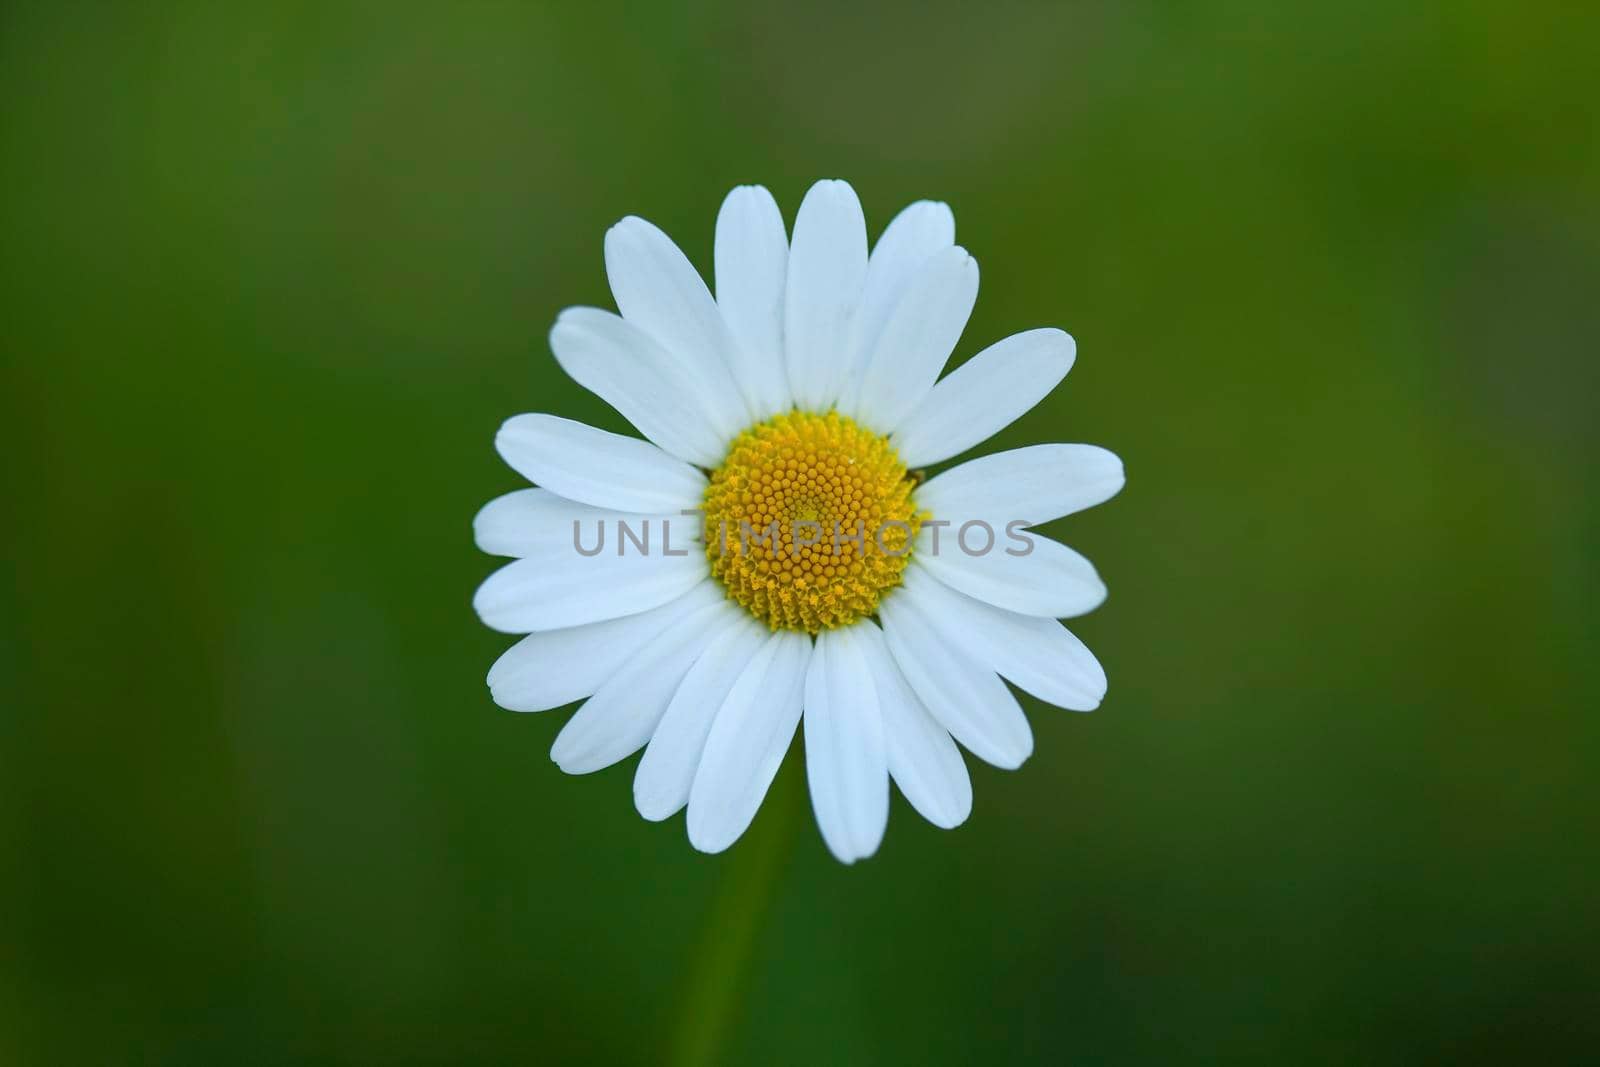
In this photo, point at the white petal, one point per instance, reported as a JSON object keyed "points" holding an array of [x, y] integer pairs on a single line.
{"points": [[1038, 655], [666, 772], [985, 395], [752, 262], [595, 467], [751, 733], [923, 760], [968, 699], [560, 588], [547, 670], [620, 717], [1050, 579], [671, 404], [846, 764], [827, 267], [917, 340], [908, 242], [529, 521], [658, 290], [1027, 485], [964, 696]]}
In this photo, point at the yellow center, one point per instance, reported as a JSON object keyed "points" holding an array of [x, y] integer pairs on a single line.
{"points": [[809, 520]]}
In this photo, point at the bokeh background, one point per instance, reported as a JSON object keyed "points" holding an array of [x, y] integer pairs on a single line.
{"points": [[274, 273]]}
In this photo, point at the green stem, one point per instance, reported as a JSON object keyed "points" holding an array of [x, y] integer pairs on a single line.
{"points": [[716, 980]]}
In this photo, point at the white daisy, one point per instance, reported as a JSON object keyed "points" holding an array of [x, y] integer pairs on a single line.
{"points": [[796, 568]]}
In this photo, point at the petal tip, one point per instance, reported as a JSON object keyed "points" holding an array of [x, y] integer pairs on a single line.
{"points": [[625, 223], [1069, 351], [653, 808], [833, 188], [703, 842], [949, 820]]}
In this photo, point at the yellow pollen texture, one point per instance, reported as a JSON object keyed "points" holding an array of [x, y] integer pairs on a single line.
{"points": [[809, 520]]}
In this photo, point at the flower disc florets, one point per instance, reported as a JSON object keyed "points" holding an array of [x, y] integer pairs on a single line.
{"points": [[809, 520]]}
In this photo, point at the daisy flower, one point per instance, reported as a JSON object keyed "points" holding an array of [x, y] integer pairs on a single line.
{"points": [[770, 553]]}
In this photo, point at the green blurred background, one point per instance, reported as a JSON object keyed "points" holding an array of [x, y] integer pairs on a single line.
{"points": [[274, 274]]}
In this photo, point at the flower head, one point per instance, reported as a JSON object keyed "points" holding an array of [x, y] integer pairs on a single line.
{"points": [[770, 554]]}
